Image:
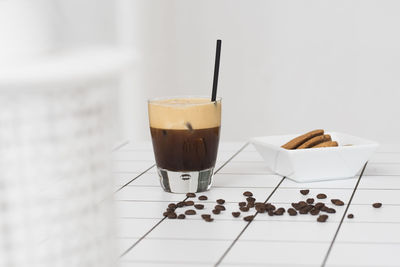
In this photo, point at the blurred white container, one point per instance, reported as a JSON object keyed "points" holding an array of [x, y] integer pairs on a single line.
{"points": [[55, 185], [25, 30], [315, 164]]}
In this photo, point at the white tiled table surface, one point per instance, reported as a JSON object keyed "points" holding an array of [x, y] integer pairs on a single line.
{"points": [[146, 238]]}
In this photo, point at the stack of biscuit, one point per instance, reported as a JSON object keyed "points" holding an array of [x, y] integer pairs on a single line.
{"points": [[312, 139]]}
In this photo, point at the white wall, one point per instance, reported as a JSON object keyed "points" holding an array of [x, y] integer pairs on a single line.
{"points": [[287, 66]]}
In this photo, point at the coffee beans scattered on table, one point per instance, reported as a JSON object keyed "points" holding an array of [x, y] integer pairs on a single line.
{"points": [[377, 205], [305, 191], [300, 207]]}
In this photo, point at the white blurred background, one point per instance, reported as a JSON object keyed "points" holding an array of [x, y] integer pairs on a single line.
{"points": [[286, 66]]}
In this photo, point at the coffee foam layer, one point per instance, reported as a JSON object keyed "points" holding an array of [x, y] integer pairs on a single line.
{"points": [[184, 113]]}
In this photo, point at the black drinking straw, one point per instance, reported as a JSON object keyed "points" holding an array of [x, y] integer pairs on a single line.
{"points": [[216, 71]]}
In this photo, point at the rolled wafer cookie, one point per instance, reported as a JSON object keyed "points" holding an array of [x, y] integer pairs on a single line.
{"points": [[327, 144], [315, 141], [294, 143]]}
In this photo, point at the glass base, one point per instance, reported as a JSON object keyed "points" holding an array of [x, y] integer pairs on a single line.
{"points": [[185, 182]]}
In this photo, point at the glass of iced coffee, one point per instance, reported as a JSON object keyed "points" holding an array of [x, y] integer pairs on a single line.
{"points": [[185, 134]]}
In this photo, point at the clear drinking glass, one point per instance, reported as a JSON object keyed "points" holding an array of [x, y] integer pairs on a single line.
{"points": [[185, 133]]}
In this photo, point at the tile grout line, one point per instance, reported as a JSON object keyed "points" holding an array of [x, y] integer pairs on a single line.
{"points": [[159, 222], [247, 225], [147, 233], [119, 189], [289, 187], [120, 145], [344, 215]]}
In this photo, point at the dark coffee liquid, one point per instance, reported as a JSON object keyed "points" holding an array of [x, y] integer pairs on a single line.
{"points": [[185, 150]]}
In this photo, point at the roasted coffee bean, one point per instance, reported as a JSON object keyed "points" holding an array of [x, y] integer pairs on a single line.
{"points": [[180, 204], [219, 207], [377, 205], [324, 208], [216, 211], [260, 208], [279, 211], [310, 200], [260, 205], [306, 209], [271, 213], [220, 201], [205, 216], [329, 210], [292, 212], [242, 204], [350, 216], [244, 209], [337, 202], [181, 216], [248, 194], [189, 203], [302, 204], [190, 212], [251, 199], [269, 206], [236, 214], [319, 205], [191, 195], [170, 210], [209, 219], [172, 216], [304, 191], [250, 205], [295, 206], [248, 218], [322, 218], [166, 213], [203, 198], [172, 205], [314, 211], [321, 196], [199, 206]]}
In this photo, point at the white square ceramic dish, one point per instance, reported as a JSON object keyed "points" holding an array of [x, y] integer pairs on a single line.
{"points": [[316, 164]]}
